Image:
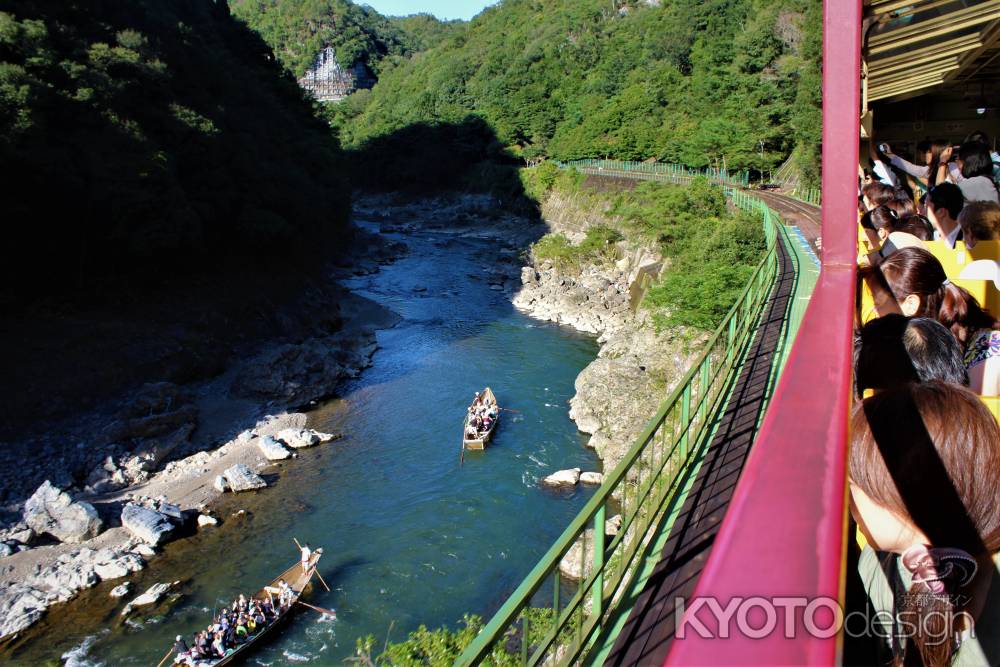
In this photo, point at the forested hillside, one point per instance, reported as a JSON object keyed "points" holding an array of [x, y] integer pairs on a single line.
{"points": [[147, 137], [734, 82], [426, 30], [298, 30]]}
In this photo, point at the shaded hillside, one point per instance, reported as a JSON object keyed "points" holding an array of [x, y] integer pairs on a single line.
{"points": [[144, 139], [297, 30], [678, 80]]}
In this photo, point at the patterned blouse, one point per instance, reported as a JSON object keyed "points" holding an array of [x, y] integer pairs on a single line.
{"points": [[985, 345]]}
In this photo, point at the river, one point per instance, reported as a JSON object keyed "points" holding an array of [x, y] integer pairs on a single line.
{"points": [[411, 535]]}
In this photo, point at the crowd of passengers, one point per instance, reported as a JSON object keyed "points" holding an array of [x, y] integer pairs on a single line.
{"points": [[482, 413], [234, 626], [924, 463]]}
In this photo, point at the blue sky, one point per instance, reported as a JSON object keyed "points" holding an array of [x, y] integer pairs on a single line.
{"points": [[443, 9]]}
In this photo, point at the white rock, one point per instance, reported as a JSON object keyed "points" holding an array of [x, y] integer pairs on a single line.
{"points": [[220, 484], [121, 590], [241, 478], [52, 511], [613, 525], [144, 550], [586, 423], [171, 511], [303, 437], [118, 566], [62, 581], [148, 525], [563, 478], [207, 520], [20, 606], [591, 478], [272, 449], [578, 562], [152, 595]]}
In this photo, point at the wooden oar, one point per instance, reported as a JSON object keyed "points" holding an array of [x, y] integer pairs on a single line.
{"points": [[164, 658], [329, 612], [321, 579], [509, 410]]}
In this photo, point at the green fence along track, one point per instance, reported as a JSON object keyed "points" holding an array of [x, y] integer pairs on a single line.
{"points": [[657, 171], [549, 620], [807, 195], [678, 173]]}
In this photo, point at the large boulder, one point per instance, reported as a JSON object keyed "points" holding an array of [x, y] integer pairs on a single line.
{"points": [[563, 478], [303, 437], [591, 478], [20, 606], [115, 565], [148, 525], [241, 478], [53, 512], [152, 595], [272, 449], [578, 562]]}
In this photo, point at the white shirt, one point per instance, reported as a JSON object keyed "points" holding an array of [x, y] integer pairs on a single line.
{"points": [[950, 238], [885, 175]]}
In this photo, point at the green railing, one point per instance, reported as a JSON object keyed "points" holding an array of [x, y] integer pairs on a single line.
{"points": [[550, 620], [658, 171], [808, 195]]}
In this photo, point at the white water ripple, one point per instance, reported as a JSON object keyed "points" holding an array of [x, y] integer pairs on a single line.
{"points": [[77, 656]]}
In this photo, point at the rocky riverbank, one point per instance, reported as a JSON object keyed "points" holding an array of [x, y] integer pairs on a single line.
{"points": [[637, 366], [92, 495], [146, 469]]}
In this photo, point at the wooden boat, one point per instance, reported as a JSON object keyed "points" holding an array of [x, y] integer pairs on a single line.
{"points": [[298, 581], [484, 438]]}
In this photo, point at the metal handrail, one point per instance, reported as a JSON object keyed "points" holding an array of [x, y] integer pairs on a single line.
{"points": [[658, 171], [643, 487]]}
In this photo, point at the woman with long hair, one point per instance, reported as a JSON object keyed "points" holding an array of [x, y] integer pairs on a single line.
{"points": [[935, 156], [924, 474], [921, 289]]}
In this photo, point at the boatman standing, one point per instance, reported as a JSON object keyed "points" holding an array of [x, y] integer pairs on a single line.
{"points": [[306, 556]]}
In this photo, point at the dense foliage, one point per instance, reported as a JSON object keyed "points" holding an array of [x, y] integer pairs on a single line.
{"points": [[299, 30], [426, 30], [710, 250], [442, 646], [724, 82], [139, 137]]}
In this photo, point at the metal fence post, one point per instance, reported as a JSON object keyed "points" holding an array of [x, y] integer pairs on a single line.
{"points": [[597, 593]]}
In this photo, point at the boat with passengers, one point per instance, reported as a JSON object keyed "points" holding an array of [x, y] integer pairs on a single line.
{"points": [[481, 420], [279, 597]]}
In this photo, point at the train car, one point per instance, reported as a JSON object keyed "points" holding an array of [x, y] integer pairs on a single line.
{"points": [[895, 71]]}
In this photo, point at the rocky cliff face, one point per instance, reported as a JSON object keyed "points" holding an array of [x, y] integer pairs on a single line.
{"points": [[636, 366]]}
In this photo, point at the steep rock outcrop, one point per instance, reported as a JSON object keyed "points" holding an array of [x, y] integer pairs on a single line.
{"points": [[51, 511]]}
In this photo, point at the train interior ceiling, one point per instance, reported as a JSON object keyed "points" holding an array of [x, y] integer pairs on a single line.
{"points": [[930, 71]]}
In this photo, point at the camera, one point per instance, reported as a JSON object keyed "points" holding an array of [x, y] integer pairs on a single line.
{"points": [[884, 147]]}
